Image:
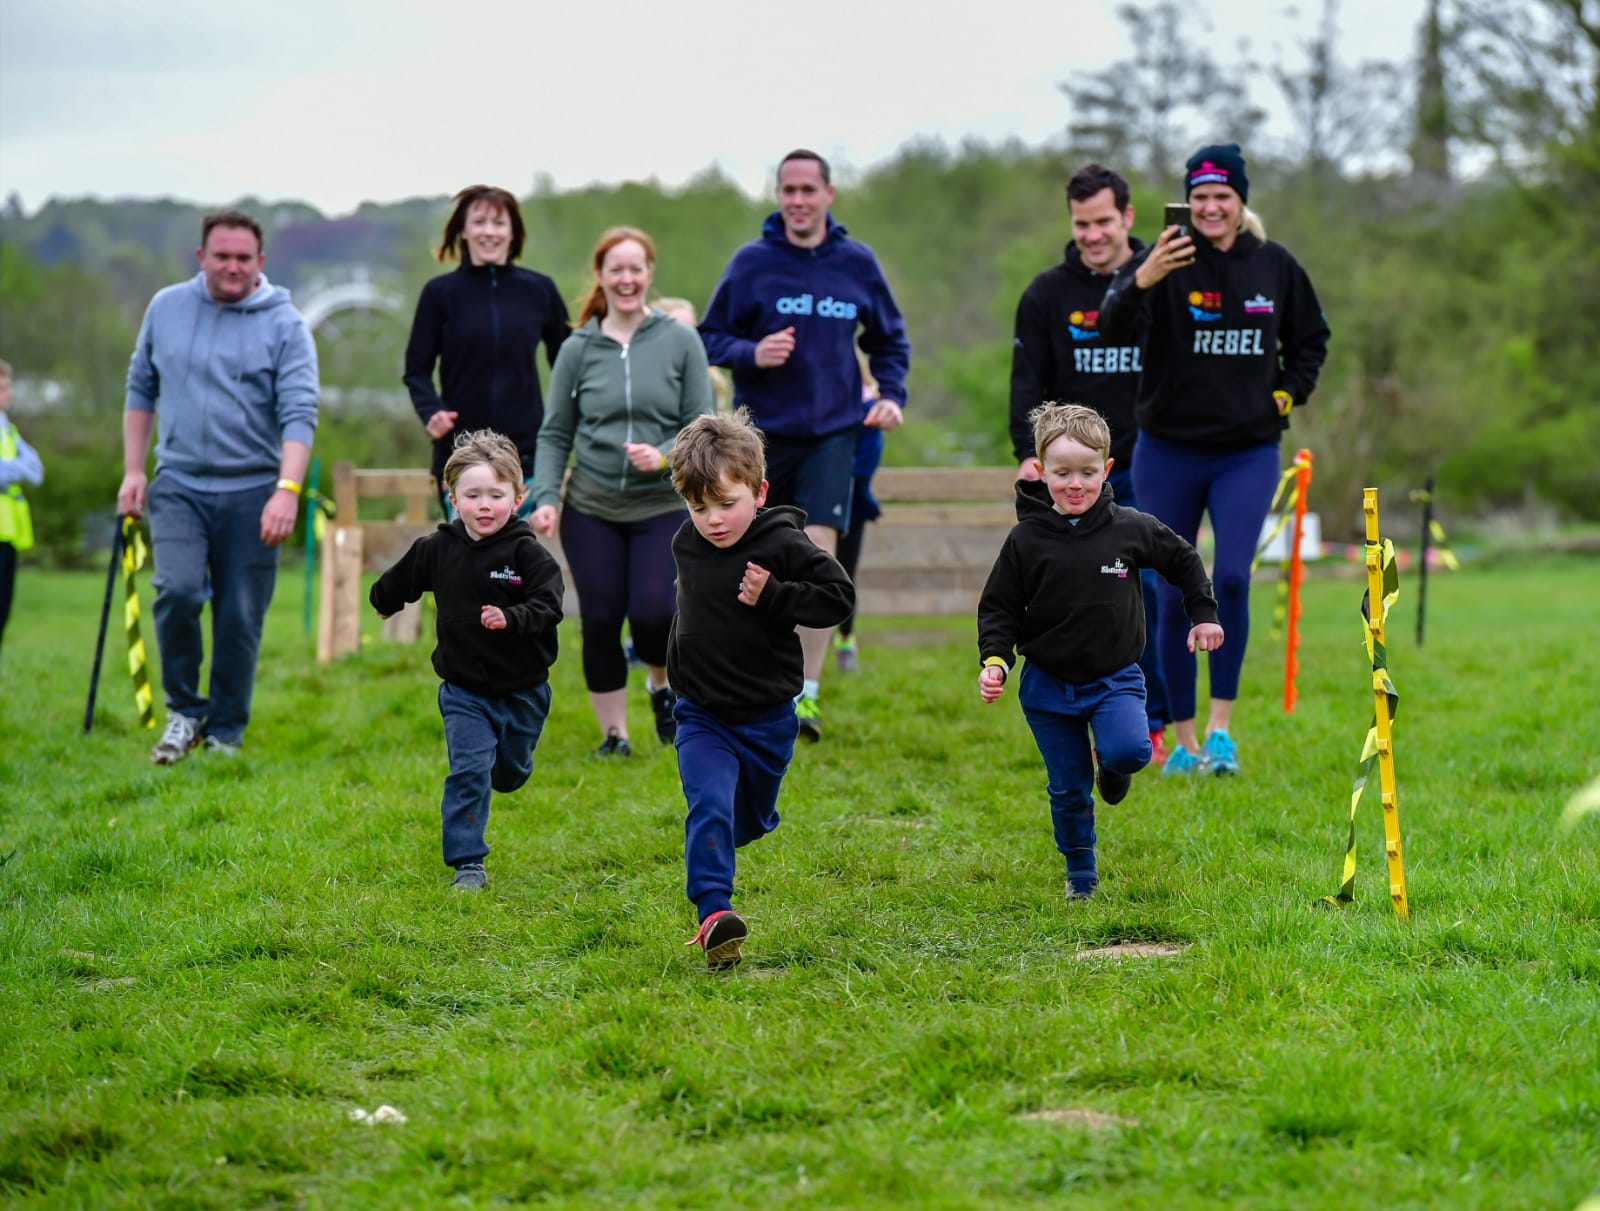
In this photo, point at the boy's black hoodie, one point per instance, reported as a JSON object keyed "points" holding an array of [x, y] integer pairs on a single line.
{"points": [[1059, 355], [508, 569], [1067, 596], [740, 661], [1220, 336]]}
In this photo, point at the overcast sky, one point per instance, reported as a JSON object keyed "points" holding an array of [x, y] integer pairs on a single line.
{"points": [[339, 101]]}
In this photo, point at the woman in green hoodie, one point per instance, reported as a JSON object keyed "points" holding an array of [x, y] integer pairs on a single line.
{"points": [[624, 384]]}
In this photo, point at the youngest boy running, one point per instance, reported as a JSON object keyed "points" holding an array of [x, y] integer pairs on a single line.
{"points": [[1065, 593], [747, 576], [498, 595]]}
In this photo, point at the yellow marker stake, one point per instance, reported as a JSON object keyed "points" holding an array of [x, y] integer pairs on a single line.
{"points": [[1377, 609]]}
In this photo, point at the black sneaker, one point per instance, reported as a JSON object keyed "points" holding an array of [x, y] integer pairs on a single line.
{"points": [[661, 702], [720, 934], [470, 876], [614, 745], [1082, 887], [1113, 787]]}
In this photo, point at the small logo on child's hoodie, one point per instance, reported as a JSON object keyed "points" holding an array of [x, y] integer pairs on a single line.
{"points": [[506, 574], [1119, 569]]}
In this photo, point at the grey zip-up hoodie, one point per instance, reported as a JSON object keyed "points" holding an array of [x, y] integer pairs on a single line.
{"points": [[603, 394], [229, 383]]}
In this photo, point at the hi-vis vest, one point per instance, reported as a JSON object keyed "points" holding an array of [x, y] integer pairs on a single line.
{"points": [[16, 522]]}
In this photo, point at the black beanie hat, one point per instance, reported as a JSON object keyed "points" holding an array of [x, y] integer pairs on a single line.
{"points": [[1218, 164]]}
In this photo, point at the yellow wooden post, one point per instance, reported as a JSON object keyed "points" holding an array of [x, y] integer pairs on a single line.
{"points": [[1381, 690]]}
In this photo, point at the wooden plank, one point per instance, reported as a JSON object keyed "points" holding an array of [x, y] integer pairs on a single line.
{"points": [[346, 494], [999, 517], [408, 482], [945, 483], [406, 626], [339, 632]]}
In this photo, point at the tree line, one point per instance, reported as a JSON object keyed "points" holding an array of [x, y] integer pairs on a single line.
{"points": [[1447, 209]]}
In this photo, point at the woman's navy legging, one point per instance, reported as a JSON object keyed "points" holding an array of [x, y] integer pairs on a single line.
{"points": [[1177, 484], [622, 570]]}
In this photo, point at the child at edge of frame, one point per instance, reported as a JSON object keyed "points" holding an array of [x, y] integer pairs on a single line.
{"points": [[498, 596], [19, 464], [1065, 594], [747, 576]]}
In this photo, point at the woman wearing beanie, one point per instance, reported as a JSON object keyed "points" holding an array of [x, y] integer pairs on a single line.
{"points": [[1233, 340]]}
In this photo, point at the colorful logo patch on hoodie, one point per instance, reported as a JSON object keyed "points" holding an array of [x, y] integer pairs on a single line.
{"points": [[1260, 305], [1118, 569], [1084, 325], [1205, 305], [507, 574]]}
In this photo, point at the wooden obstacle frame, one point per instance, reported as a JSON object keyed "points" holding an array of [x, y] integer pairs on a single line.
{"points": [[928, 554]]}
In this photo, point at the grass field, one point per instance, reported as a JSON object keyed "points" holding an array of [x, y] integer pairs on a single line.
{"points": [[207, 967]]}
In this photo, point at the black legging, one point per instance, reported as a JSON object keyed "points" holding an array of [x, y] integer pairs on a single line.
{"points": [[8, 581], [850, 553], [621, 570]]}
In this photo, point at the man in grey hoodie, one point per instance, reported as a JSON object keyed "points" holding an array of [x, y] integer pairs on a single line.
{"points": [[226, 369]]}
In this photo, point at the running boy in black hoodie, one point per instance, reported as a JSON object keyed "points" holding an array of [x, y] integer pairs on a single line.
{"points": [[1065, 593], [498, 594], [747, 576]]}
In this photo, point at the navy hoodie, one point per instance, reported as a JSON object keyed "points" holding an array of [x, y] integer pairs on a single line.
{"points": [[739, 661], [1223, 334], [1068, 596], [508, 569], [823, 293], [1059, 355], [483, 324]]}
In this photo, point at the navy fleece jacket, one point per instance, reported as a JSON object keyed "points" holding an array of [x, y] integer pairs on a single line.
{"points": [[824, 294]]}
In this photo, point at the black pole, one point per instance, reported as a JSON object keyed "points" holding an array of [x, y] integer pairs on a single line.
{"points": [[1422, 569], [105, 617]]}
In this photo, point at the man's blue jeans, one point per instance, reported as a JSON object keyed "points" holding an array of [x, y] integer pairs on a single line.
{"points": [[491, 742], [1061, 716], [208, 548]]}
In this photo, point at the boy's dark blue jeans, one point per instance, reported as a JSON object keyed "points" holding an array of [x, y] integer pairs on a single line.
{"points": [[1062, 715], [731, 774], [491, 742]]}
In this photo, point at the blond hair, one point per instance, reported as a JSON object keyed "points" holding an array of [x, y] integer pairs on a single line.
{"points": [[486, 448], [718, 448], [1075, 422]]}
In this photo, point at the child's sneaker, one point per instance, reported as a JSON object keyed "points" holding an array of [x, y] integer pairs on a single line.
{"points": [[844, 651], [1181, 761], [470, 876], [1113, 787], [661, 702], [1081, 887], [810, 717], [614, 745], [720, 934], [180, 735], [216, 744], [1219, 754]]}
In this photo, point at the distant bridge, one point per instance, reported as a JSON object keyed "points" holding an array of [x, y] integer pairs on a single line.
{"points": [[358, 293]]}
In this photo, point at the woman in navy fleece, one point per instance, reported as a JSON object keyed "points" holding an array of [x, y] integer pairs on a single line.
{"points": [[1235, 339]]}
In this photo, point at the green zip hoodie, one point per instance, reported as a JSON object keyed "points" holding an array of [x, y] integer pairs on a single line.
{"points": [[603, 394]]}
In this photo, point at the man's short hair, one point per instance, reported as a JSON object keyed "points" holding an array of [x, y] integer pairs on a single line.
{"points": [[802, 153], [718, 448], [1075, 422], [231, 218], [484, 447], [1091, 179]]}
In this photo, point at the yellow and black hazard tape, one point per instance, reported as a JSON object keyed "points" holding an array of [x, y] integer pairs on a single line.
{"points": [[1284, 518], [1379, 655], [134, 554], [1423, 497], [322, 512]]}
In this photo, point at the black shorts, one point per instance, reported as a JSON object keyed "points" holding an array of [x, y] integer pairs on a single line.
{"points": [[815, 475]]}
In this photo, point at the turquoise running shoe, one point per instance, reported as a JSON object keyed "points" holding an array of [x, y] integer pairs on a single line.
{"points": [[1219, 754], [1181, 761]]}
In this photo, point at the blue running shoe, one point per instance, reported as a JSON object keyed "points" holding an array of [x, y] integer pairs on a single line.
{"points": [[1181, 761], [1219, 754]]}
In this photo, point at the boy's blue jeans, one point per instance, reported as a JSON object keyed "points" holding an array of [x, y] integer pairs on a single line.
{"points": [[1062, 715], [491, 742], [731, 774], [208, 548]]}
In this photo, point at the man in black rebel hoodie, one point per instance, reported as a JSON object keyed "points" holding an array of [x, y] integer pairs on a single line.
{"points": [[746, 579], [1060, 355], [1065, 593], [498, 595]]}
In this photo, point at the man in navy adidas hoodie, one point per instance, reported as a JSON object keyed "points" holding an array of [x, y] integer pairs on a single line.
{"points": [[784, 319], [1060, 355], [1065, 593], [498, 594]]}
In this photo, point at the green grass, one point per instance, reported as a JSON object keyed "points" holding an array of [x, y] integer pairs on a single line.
{"points": [[206, 967]]}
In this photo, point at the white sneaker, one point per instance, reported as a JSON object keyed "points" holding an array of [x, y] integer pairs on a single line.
{"points": [[182, 734], [216, 744]]}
